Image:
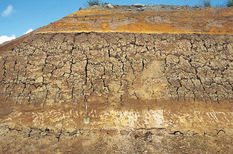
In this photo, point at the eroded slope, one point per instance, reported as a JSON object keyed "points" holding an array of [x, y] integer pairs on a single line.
{"points": [[146, 19], [143, 91], [56, 68]]}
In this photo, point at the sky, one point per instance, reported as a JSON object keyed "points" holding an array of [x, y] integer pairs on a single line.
{"points": [[18, 17]]}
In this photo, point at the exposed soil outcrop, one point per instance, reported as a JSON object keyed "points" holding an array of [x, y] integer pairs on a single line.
{"points": [[115, 67], [108, 141], [142, 91], [146, 19]]}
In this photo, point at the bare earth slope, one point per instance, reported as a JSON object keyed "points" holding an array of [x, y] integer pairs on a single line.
{"points": [[155, 79]]}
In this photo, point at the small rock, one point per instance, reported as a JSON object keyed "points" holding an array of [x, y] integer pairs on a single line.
{"points": [[178, 133], [110, 6], [139, 9], [138, 5]]}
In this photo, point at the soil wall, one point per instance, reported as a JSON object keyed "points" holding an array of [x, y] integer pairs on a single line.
{"points": [[144, 93]]}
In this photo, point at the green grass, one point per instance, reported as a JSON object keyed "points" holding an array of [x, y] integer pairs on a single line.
{"points": [[229, 3], [93, 2], [206, 3]]}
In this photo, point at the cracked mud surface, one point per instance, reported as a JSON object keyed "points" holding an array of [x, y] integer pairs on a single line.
{"points": [[118, 66], [146, 93]]}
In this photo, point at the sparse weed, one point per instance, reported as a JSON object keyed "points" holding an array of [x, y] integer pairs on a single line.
{"points": [[93, 2], [229, 3], [206, 3]]}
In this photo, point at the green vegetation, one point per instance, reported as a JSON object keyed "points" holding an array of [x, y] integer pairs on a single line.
{"points": [[206, 3], [229, 3], [93, 2]]}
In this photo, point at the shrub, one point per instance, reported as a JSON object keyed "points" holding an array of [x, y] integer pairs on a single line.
{"points": [[229, 3], [93, 2], [207, 3]]}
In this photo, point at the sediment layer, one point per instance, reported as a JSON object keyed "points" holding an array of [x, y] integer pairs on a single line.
{"points": [[116, 67], [146, 19], [143, 91]]}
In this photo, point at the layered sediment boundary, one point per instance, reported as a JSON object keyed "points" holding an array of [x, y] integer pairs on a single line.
{"points": [[143, 91]]}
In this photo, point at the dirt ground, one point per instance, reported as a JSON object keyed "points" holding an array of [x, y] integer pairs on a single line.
{"points": [[112, 141]]}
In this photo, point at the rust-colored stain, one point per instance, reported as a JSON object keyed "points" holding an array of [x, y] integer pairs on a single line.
{"points": [[205, 21], [150, 28], [105, 27]]}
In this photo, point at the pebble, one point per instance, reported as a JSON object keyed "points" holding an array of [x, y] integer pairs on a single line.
{"points": [[110, 6], [138, 5]]}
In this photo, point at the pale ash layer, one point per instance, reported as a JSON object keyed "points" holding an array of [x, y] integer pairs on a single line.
{"points": [[194, 127]]}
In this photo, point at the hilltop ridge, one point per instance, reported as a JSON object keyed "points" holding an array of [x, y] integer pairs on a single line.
{"points": [[146, 19]]}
